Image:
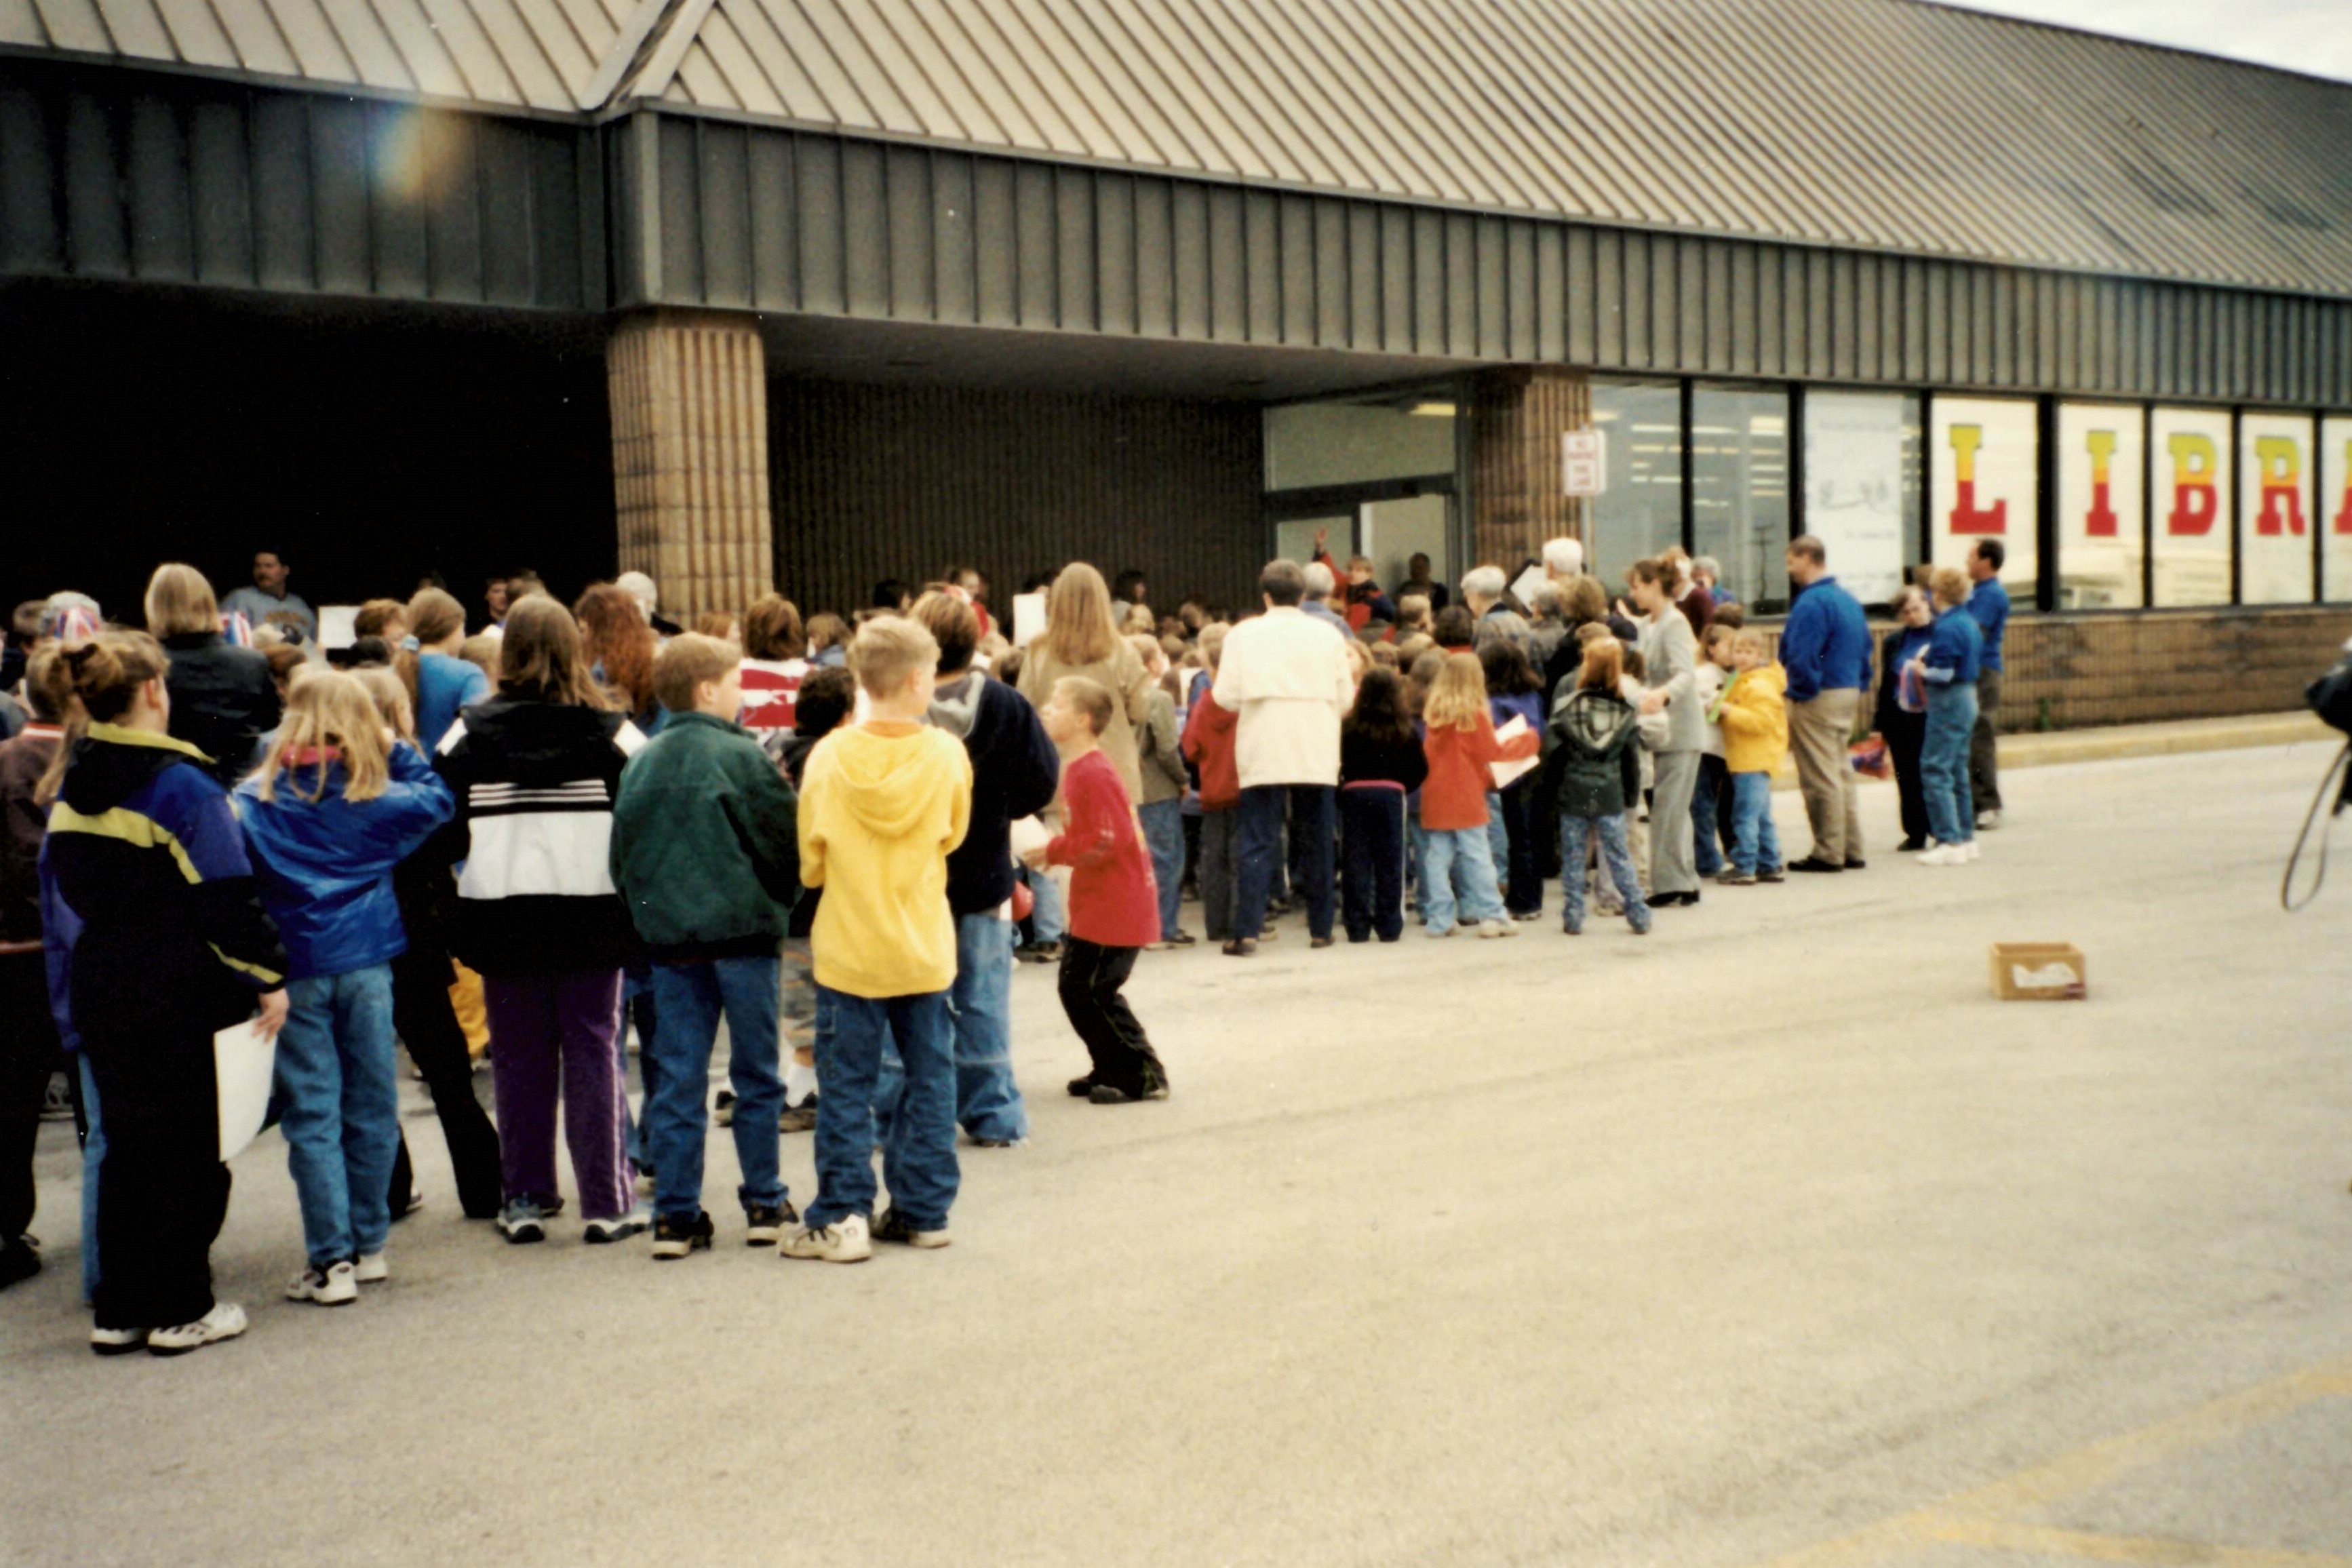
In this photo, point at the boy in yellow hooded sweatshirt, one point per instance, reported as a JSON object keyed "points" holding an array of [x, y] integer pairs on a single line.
{"points": [[1755, 716], [882, 803]]}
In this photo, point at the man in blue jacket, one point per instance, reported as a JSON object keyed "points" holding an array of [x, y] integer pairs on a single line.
{"points": [[1825, 648], [1988, 607]]}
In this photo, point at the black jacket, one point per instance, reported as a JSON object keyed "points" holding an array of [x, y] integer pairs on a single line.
{"points": [[1015, 772], [1363, 760], [1594, 767], [222, 701]]}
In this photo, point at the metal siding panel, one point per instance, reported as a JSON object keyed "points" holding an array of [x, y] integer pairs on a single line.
{"points": [[1396, 333], [503, 210], [1939, 323], [1334, 275], [342, 219], [1771, 313], [1912, 281], [775, 204], [1191, 248], [1428, 275], [2110, 334], [1587, 305], [162, 241], [1295, 256], [1229, 270], [1980, 326], [723, 213], [955, 272], [220, 190], [1844, 353], [1634, 280], [552, 159], [681, 209], [397, 261], [97, 242], [1816, 363], [865, 230], [1364, 325], [1551, 285], [1155, 260], [30, 238], [1667, 300], [818, 225], [452, 206], [1075, 304], [1706, 331], [1261, 216], [1875, 354], [1115, 258], [2008, 325], [1745, 336], [1458, 284], [907, 190], [283, 256], [1490, 302]]}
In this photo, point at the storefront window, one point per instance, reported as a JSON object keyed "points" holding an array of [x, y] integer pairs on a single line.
{"points": [[2102, 505], [1740, 488], [1987, 485], [1861, 490], [1640, 509], [2335, 508], [2275, 500], [2189, 508]]}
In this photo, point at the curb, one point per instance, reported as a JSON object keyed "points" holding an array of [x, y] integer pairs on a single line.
{"points": [[2123, 740]]}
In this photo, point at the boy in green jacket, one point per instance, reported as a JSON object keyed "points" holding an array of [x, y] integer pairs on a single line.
{"points": [[706, 853]]}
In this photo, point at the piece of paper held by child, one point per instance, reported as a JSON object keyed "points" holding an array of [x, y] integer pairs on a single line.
{"points": [[1507, 774], [244, 1063], [1531, 579], [1028, 618], [1029, 836]]}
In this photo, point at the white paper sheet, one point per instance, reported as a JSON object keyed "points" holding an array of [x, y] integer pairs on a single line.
{"points": [[244, 1063], [1028, 618], [1531, 579], [1507, 774]]}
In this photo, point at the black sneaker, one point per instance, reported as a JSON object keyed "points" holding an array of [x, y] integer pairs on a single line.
{"points": [[20, 1259], [1104, 1094], [1082, 1086], [1774, 875], [1855, 863], [895, 1226], [763, 1223], [673, 1238], [723, 1110], [1815, 863]]}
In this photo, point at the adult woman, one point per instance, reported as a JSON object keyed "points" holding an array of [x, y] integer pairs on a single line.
{"points": [[1082, 638], [1947, 669], [535, 770], [440, 683], [619, 647], [1902, 717], [152, 909], [1670, 670], [222, 698]]}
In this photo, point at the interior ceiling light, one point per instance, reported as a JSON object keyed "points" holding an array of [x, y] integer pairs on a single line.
{"points": [[1433, 410]]}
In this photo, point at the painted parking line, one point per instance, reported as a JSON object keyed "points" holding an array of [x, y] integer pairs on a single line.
{"points": [[1987, 1516]]}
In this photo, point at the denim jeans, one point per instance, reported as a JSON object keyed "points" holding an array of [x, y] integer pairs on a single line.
{"points": [[93, 1154], [1498, 836], [341, 1109], [1316, 829], [1755, 837], [1615, 855], [1163, 832], [987, 1100], [1049, 922], [919, 1161], [1944, 761], [1416, 849], [1714, 780], [1457, 860], [688, 1001], [637, 1004]]}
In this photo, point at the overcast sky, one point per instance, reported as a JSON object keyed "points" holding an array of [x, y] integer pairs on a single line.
{"points": [[2310, 36]]}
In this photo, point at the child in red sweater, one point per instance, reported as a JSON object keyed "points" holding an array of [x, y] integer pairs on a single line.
{"points": [[1114, 905], [1208, 745], [1461, 747]]}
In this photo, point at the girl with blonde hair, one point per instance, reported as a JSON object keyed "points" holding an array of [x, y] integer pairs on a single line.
{"points": [[1082, 637], [337, 804], [1461, 747]]}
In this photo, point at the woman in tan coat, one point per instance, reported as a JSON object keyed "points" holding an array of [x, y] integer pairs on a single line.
{"points": [[1081, 639]]}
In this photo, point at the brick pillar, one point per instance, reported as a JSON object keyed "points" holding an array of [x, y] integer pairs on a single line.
{"points": [[1517, 417], [689, 393]]}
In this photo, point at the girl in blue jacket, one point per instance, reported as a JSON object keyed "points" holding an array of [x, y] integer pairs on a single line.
{"points": [[335, 806]]}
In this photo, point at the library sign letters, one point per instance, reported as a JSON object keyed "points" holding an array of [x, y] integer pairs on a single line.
{"points": [[1986, 466]]}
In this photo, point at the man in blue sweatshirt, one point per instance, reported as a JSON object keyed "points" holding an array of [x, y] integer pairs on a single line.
{"points": [[1825, 648], [1988, 607]]}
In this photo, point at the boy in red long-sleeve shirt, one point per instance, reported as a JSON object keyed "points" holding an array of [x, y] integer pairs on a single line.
{"points": [[1114, 904]]}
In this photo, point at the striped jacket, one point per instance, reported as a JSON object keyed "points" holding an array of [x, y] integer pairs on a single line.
{"points": [[535, 784], [149, 904]]}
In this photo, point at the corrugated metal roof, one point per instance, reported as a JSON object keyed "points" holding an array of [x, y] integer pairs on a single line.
{"points": [[510, 54], [1885, 124]]}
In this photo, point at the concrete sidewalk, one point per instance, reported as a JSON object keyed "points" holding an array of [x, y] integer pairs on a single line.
{"points": [[2118, 742]]}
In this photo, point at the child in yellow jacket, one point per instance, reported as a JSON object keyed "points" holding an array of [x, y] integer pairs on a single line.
{"points": [[1754, 712], [882, 802]]}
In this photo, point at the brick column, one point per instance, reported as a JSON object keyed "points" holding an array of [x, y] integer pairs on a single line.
{"points": [[690, 395], [1517, 417]]}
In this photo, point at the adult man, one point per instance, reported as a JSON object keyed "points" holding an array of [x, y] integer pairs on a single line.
{"points": [[1286, 678], [1825, 648], [494, 602], [1417, 581], [1320, 580], [1482, 591], [268, 599], [1989, 603]]}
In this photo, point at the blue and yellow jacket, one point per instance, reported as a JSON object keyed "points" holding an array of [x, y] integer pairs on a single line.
{"points": [[149, 903]]}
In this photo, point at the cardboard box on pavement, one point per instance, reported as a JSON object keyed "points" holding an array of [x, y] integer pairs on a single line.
{"points": [[2039, 972]]}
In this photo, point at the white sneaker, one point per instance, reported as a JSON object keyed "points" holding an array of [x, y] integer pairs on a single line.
{"points": [[224, 1321], [337, 1285], [1435, 934], [1944, 855], [117, 1342], [843, 1241], [1989, 820], [1498, 927], [1971, 848], [371, 1269]]}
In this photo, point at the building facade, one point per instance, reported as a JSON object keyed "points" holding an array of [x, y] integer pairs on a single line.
{"points": [[811, 293]]}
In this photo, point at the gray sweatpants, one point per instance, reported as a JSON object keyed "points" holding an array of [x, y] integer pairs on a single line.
{"points": [[1674, 867]]}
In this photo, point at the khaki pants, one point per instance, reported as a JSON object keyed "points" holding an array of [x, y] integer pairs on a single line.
{"points": [[1820, 732]]}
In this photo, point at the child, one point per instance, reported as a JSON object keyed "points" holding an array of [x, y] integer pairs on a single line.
{"points": [[1596, 774], [442, 681], [1161, 810], [1210, 733], [1755, 720], [1707, 794], [825, 700], [28, 1034], [1382, 762], [1113, 905], [882, 803], [331, 811], [1949, 670], [1461, 747], [535, 768], [775, 664], [705, 856], [1514, 690]]}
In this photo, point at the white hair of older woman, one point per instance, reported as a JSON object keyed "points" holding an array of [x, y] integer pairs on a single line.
{"points": [[1563, 557], [1319, 581], [1486, 582], [1709, 567], [640, 587]]}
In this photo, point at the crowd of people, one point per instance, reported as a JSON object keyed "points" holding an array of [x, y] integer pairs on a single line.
{"points": [[838, 835]]}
